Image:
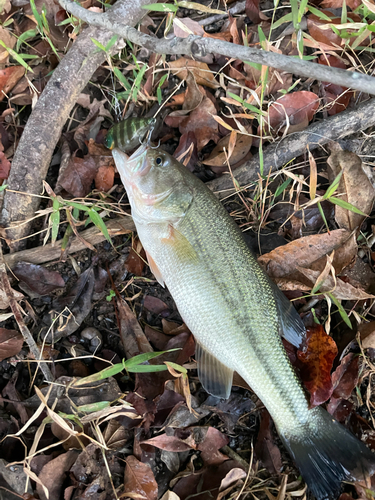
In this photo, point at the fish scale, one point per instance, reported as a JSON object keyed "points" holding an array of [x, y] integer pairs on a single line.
{"points": [[235, 312]]}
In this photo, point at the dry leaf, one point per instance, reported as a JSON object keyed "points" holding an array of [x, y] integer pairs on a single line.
{"points": [[217, 157], [11, 343], [105, 177], [77, 177], [170, 495], [184, 26], [201, 122], [322, 34], [354, 183], [293, 111], [252, 11], [266, 449], [336, 96], [203, 74], [4, 166], [341, 290], [139, 479], [367, 333], [304, 252], [9, 40], [136, 259], [337, 4], [5, 6], [8, 79], [39, 279]]}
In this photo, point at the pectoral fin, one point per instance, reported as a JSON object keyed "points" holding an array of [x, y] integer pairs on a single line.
{"points": [[215, 377], [181, 244], [291, 327], [154, 269]]}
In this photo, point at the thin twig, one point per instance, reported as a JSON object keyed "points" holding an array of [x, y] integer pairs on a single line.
{"points": [[198, 46], [18, 317], [235, 456]]}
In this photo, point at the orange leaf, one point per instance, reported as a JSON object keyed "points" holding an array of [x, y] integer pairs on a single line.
{"points": [[316, 360], [139, 479], [8, 78], [104, 178]]}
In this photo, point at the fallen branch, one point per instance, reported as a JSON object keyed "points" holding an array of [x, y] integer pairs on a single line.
{"points": [[281, 152], [43, 129], [16, 310], [93, 235], [197, 46]]}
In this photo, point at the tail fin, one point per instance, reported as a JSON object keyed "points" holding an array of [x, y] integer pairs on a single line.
{"points": [[327, 454]]}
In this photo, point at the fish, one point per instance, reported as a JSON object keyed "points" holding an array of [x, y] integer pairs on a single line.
{"points": [[128, 134], [235, 312]]}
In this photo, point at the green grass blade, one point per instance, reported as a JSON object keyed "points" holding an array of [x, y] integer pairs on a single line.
{"points": [[55, 221], [285, 19], [321, 15], [98, 44], [323, 215], [27, 35], [342, 311], [348, 206], [282, 187], [36, 15], [142, 358], [332, 188], [16, 56], [161, 7], [148, 368], [99, 223], [122, 78]]}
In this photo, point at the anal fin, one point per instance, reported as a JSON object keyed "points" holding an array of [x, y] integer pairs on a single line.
{"points": [[154, 269], [215, 377]]}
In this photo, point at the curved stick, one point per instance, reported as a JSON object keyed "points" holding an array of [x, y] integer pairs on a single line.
{"points": [[43, 129]]}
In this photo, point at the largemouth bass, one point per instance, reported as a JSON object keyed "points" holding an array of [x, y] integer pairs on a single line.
{"points": [[235, 312]]}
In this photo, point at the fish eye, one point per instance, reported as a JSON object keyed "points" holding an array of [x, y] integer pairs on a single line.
{"points": [[159, 160]]}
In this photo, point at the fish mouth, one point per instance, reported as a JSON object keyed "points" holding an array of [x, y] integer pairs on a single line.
{"points": [[137, 164], [153, 199]]}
